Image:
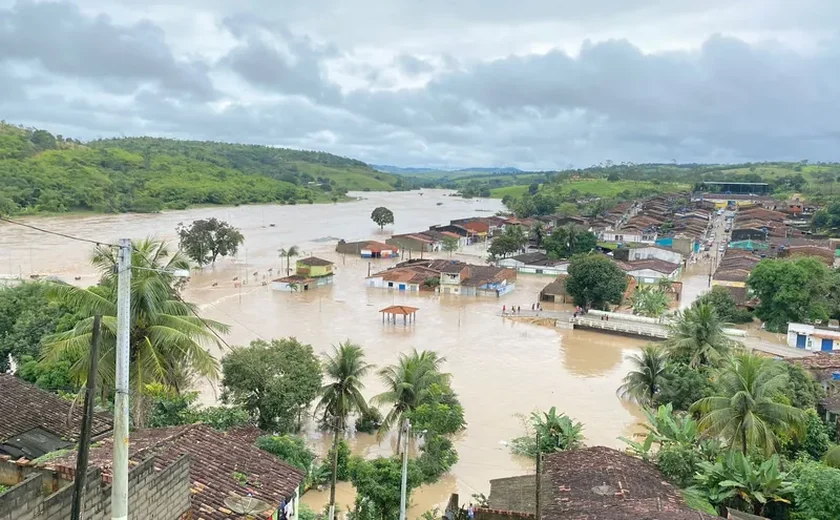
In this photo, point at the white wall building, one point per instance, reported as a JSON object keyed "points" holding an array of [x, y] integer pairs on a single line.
{"points": [[535, 263], [647, 253], [813, 339], [626, 236]]}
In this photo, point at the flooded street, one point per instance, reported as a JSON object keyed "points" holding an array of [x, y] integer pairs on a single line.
{"points": [[502, 370]]}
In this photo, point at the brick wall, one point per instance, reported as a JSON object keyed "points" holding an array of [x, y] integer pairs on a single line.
{"points": [[153, 495]]}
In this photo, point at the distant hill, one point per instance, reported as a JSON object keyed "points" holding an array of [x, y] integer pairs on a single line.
{"points": [[40, 172], [420, 171]]}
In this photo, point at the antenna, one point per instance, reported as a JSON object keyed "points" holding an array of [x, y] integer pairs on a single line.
{"points": [[246, 505]]}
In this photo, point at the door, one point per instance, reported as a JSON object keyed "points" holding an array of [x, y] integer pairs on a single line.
{"points": [[402, 287], [827, 344], [800, 340]]}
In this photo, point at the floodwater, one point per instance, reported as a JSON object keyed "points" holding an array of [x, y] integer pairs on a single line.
{"points": [[503, 370]]}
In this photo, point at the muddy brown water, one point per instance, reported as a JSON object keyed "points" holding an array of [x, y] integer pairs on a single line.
{"points": [[503, 370]]}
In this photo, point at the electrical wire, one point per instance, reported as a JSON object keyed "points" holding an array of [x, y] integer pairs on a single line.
{"points": [[57, 233]]}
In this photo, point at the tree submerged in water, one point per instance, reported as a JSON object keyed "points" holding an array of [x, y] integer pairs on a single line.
{"points": [[558, 432]]}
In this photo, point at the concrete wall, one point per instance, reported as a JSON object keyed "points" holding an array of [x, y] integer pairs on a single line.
{"points": [[153, 495]]}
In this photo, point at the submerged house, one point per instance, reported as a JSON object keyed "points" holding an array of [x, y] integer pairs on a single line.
{"points": [[446, 277], [310, 272], [368, 249], [813, 338], [535, 263]]}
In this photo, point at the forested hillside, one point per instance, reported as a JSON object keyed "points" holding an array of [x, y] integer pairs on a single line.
{"points": [[40, 172]]}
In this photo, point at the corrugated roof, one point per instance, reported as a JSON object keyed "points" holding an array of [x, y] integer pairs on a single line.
{"points": [[314, 261]]}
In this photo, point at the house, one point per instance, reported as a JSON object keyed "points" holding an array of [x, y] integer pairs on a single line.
{"points": [[535, 263], [555, 292], [647, 252], [459, 233], [222, 464], [446, 277], [652, 270], [625, 236], [34, 422], [367, 249], [596, 483], [825, 367], [411, 242], [813, 338], [310, 272]]}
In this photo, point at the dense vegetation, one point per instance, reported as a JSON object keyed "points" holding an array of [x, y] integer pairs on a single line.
{"points": [[40, 172], [732, 429]]}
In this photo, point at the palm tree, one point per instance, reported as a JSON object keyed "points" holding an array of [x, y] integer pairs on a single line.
{"points": [[697, 333], [167, 338], [744, 413], [643, 382], [408, 385], [342, 395], [289, 254]]}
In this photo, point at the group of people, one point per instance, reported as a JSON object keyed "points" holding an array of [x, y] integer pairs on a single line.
{"points": [[517, 309]]}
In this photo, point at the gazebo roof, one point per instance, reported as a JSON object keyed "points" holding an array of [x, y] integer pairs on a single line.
{"points": [[399, 309]]}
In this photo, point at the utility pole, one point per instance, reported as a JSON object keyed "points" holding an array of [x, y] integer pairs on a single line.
{"points": [[406, 433], [538, 515], [119, 486], [87, 421]]}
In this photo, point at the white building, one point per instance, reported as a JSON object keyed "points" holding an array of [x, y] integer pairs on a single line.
{"points": [[653, 252], [811, 338], [626, 236], [651, 271], [535, 263]]}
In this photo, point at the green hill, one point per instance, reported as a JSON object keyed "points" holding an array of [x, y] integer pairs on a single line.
{"points": [[40, 172]]}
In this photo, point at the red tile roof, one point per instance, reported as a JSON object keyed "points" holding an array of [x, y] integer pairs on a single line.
{"points": [[601, 483], [215, 457], [24, 406]]}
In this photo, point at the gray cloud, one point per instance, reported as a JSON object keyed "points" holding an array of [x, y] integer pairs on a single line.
{"points": [[742, 91]]}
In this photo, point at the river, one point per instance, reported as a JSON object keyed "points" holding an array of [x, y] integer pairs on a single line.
{"points": [[502, 370]]}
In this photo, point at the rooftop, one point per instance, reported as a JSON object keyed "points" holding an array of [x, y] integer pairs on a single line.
{"points": [[601, 483], [25, 408], [654, 264], [402, 310], [314, 260], [215, 459]]}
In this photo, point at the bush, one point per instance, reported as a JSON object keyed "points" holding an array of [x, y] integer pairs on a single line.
{"points": [[290, 448], [306, 513], [343, 469], [817, 493], [678, 463], [370, 420]]}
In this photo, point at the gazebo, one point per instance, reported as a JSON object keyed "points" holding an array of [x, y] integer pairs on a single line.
{"points": [[408, 313]]}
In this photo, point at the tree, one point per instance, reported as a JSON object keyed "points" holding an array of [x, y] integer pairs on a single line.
{"points": [[290, 448], [594, 281], [167, 408], [567, 209], [743, 412], [53, 376], [643, 382], [538, 233], [167, 337], [649, 301], [288, 254], [791, 291], [382, 216], [26, 317], [503, 246], [613, 177], [558, 432], [409, 384], [817, 492], [204, 240], [450, 245], [342, 394], [275, 381], [684, 385], [697, 335], [533, 188], [724, 304], [803, 391], [569, 241], [377, 483]]}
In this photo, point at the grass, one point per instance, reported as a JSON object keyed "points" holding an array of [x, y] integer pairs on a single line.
{"points": [[354, 179], [513, 191]]}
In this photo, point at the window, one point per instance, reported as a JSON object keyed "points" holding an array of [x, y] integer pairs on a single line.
{"points": [[390, 284], [539, 271]]}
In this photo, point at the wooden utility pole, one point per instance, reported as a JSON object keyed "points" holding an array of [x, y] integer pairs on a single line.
{"points": [[87, 423], [538, 509]]}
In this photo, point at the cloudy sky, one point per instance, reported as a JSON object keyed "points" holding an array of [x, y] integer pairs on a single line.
{"points": [[452, 83]]}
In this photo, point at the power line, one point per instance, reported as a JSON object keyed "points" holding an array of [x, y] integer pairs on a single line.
{"points": [[58, 234]]}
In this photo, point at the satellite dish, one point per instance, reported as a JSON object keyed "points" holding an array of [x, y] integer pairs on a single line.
{"points": [[246, 505]]}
